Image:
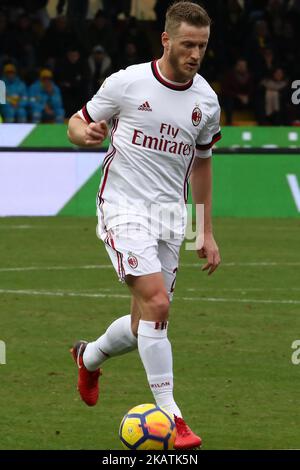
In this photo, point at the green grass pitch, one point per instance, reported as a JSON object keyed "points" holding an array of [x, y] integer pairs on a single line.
{"points": [[231, 335]]}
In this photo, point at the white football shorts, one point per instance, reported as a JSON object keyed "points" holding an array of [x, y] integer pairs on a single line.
{"points": [[133, 250]]}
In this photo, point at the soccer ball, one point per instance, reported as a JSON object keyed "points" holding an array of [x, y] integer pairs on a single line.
{"points": [[147, 427]]}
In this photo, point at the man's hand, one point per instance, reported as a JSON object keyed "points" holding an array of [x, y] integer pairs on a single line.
{"points": [[86, 135], [13, 100], [95, 133], [210, 251], [243, 99], [49, 110]]}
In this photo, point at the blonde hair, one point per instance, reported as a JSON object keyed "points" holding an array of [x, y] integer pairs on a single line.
{"points": [[187, 12]]}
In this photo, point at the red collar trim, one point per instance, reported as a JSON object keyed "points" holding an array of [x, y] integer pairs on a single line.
{"points": [[158, 77]]}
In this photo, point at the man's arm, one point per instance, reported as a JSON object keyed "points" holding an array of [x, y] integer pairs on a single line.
{"points": [[201, 183], [86, 135]]}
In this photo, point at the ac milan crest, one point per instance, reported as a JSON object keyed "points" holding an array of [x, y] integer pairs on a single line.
{"points": [[196, 116], [132, 261]]}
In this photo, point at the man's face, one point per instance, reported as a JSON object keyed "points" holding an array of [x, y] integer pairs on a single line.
{"points": [[10, 75], [241, 66], [47, 84], [278, 75], [73, 56], [185, 49]]}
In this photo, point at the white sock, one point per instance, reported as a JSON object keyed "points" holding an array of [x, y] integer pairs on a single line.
{"points": [[118, 339], [156, 354]]}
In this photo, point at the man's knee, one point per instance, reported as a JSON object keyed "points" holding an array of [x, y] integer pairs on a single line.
{"points": [[159, 305]]}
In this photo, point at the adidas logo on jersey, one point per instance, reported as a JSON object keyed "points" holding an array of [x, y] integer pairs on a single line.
{"points": [[145, 107]]}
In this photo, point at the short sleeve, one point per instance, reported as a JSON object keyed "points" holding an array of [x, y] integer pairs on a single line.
{"points": [[106, 102], [209, 135]]}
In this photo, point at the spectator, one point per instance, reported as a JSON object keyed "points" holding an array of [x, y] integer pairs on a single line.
{"points": [[4, 34], [137, 36], [232, 29], [57, 40], [289, 46], [45, 99], [265, 64], [294, 6], [260, 38], [275, 10], [237, 89], [73, 78], [265, 32], [275, 98], [113, 9], [24, 41], [101, 32], [100, 67], [129, 56], [8, 40], [16, 96], [255, 9], [38, 11], [76, 13]]}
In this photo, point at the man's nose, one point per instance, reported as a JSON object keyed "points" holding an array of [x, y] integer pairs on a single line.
{"points": [[196, 54]]}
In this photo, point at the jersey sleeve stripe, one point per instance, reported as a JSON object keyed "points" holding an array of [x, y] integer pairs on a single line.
{"points": [[113, 151], [215, 139], [186, 180], [86, 115], [109, 160]]}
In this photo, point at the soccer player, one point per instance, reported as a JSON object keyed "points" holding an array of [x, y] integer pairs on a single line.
{"points": [[165, 120]]}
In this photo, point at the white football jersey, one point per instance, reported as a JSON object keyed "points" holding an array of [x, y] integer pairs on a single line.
{"points": [[158, 127]]}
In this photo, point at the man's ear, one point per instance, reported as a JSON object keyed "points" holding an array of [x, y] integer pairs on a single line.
{"points": [[165, 40]]}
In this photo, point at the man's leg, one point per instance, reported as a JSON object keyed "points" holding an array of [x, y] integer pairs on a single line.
{"points": [[36, 113], [21, 114], [153, 344], [119, 338], [153, 293], [8, 113], [59, 115]]}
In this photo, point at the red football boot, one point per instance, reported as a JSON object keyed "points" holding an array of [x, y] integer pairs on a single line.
{"points": [[87, 384], [185, 438]]}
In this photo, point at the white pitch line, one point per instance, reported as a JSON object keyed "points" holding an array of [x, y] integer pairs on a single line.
{"points": [[17, 227], [62, 293], [109, 266], [121, 296], [243, 289], [56, 268], [35, 227], [248, 301], [248, 264]]}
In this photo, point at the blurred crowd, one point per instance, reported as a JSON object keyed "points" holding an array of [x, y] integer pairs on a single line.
{"points": [[51, 66]]}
